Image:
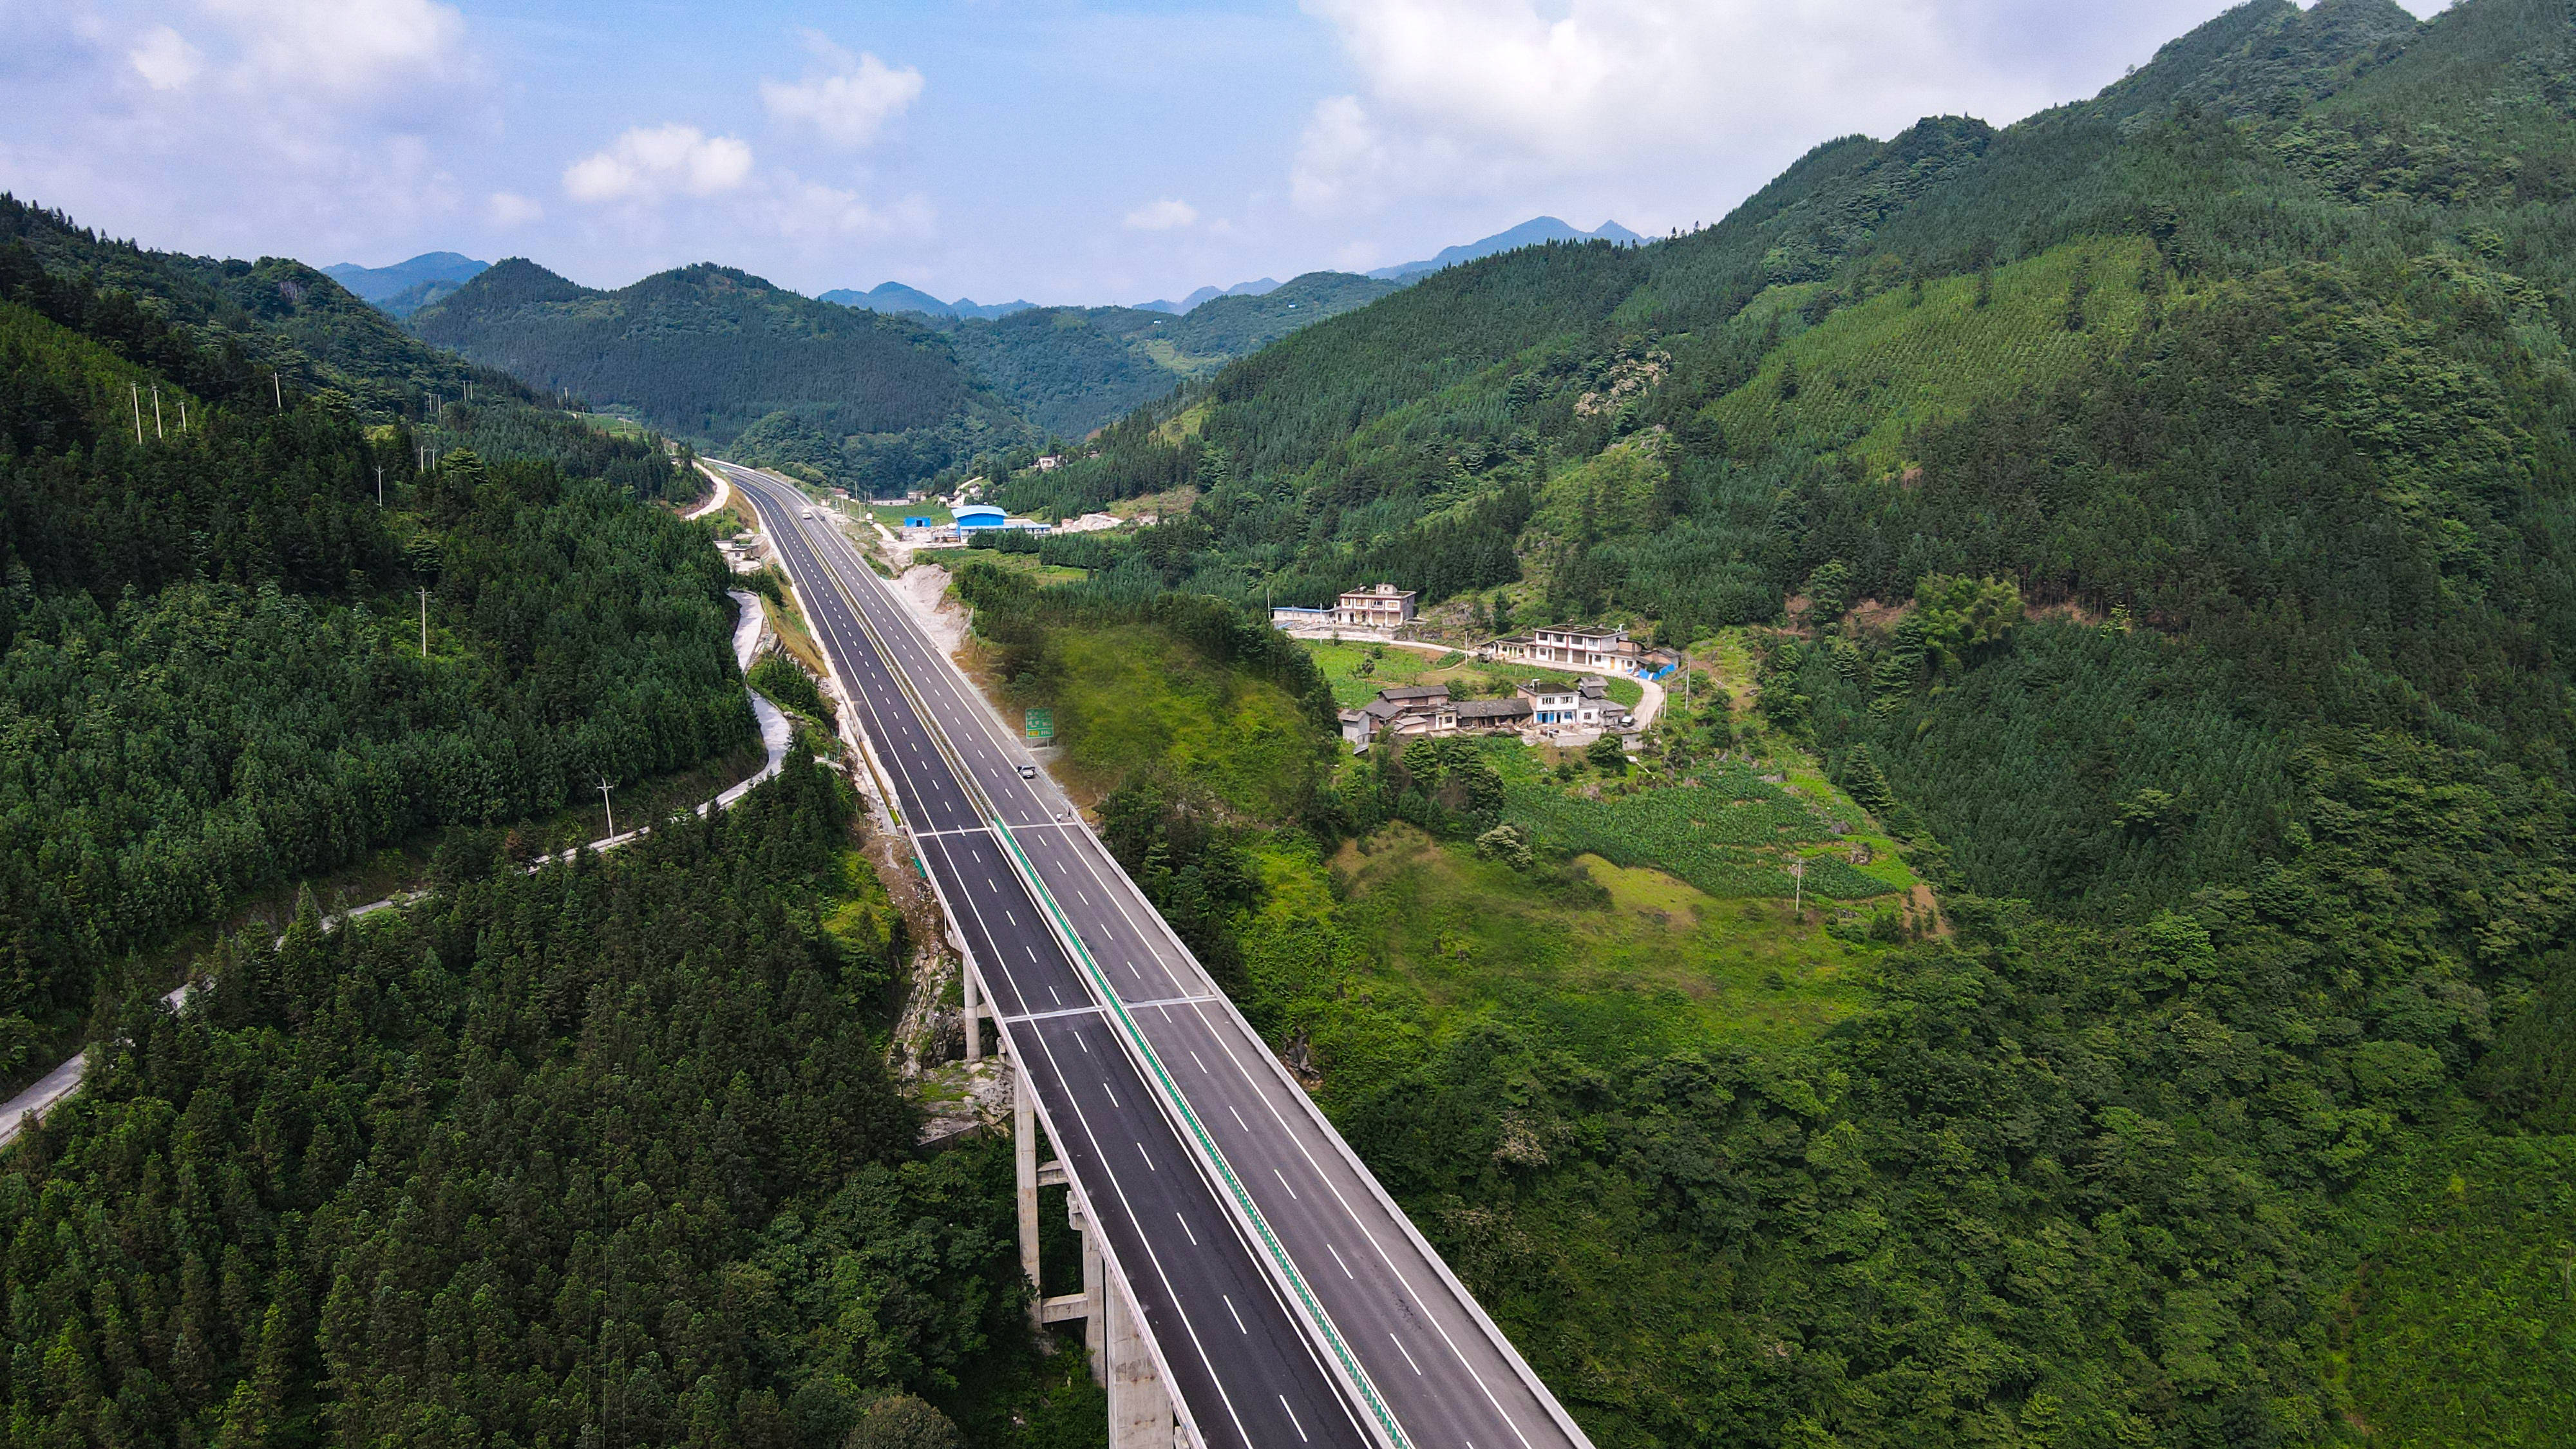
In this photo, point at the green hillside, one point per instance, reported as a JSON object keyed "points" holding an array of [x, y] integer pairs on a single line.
{"points": [[217, 695], [713, 354], [2155, 514], [272, 316], [1864, 380], [210, 659]]}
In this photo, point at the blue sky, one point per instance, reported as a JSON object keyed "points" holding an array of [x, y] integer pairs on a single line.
{"points": [[1054, 149]]}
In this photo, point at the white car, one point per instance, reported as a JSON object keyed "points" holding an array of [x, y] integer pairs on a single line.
{"points": [[808, 513], [1028, 772]]}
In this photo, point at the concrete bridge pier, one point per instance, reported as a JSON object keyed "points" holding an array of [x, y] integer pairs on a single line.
{"points": [[1121, 1353]]}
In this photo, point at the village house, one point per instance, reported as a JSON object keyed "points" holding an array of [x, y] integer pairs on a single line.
{"points": [[1380, 606], [1412, 710], [1573, 648], [1492, 716], [1584, 704], [1551, 702]]}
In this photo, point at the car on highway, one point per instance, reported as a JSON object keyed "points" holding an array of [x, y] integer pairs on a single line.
{"points": [[808, 513], [1028, 772]]}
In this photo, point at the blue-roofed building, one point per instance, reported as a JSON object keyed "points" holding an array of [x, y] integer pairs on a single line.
{"points": [[980, 515]]}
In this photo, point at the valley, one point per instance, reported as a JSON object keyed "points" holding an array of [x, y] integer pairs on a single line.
{"points": [[2057, 928]]}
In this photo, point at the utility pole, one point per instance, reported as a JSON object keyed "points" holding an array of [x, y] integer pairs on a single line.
{"points": [[278, 390], [158, 435], [1797, 888], [138, 412], [380, 485], [183, 412], [424, 623], [604, 788]]}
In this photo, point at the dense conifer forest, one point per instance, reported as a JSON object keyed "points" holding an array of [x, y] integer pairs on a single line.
{"points": [[603, 1154], [211, 654]]}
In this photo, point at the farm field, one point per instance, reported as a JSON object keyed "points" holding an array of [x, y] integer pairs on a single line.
{"points": [[1385, 667], [1019, 563], [1731, 829]]}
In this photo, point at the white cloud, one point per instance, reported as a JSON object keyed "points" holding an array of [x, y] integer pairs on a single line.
{"points": [[1165, 215], [848, 103], [508, 209], [810, 211], [650, 164], [347, 50], [1463, 97], [165, 59]]}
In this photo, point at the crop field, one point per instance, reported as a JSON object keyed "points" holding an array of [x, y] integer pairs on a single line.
{"points": [[1871, 373], [1726, 829], [1466, 678]]}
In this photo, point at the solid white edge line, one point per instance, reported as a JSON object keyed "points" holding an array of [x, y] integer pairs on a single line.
{"points": [[1108, 1254], [926, 725]]}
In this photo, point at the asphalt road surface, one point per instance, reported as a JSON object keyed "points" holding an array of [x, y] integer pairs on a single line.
{"points": [[1239, 1362], [1438, 1363]]}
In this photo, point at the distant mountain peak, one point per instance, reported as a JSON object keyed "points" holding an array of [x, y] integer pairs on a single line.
{"points": [[376, 284], [1533, 232], [1186, 305], [892, 297]]}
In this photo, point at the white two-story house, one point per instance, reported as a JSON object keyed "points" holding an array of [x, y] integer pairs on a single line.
{"points": [[1609, 650], [1379, 606]]}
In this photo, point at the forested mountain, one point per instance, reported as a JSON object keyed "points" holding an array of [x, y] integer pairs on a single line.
{"points": [[844, 393], [209, 626], [406, 287], [1071, 369], [1209, 293], [712, 353], [378, 283], [601, 1155], [2157, 511], [272, 315]]}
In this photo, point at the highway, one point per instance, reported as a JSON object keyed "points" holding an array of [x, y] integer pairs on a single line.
{"points": [[1423, 1347], [1238, 1362]]}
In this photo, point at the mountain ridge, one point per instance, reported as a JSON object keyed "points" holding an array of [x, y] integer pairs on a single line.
{"points": [[896, 297], [708, 351], [1536, 231]]}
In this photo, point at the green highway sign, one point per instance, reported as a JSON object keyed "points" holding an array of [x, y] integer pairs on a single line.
{"points": [[1040, 725]]}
